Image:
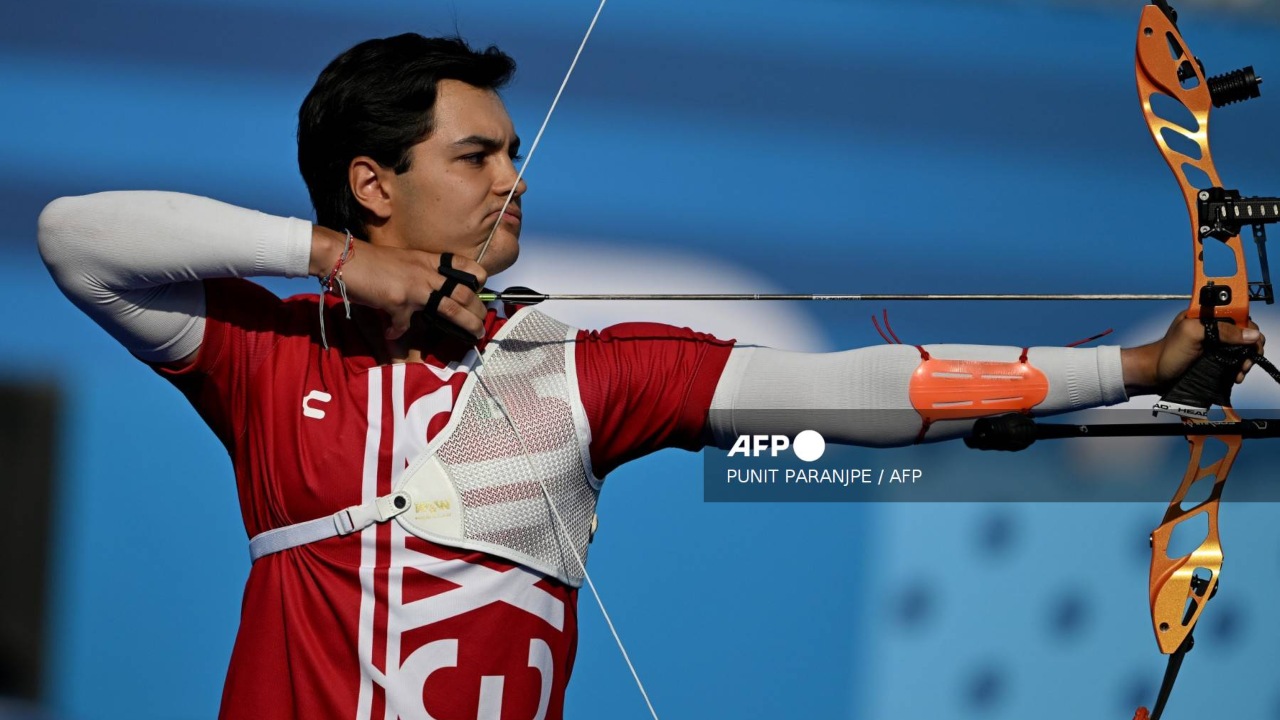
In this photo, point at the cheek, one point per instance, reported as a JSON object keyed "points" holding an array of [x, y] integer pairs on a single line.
{"points": [[442, 216], [445, 207]]}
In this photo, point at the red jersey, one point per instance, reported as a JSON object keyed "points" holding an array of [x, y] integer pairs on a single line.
{"points": [[381, 624]]}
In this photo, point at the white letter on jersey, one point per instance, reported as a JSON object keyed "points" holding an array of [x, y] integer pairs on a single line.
{"points": [[477, 586], [439, 654]]}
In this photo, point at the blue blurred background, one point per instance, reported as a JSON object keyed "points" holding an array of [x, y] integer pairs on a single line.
{"points": [[806, 146]]}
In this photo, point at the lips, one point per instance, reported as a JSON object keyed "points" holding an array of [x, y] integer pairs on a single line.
{"points": [[512, 214]]}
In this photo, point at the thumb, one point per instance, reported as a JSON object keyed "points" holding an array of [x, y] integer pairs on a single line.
{"points": [[1236, 335], [398, 326]]}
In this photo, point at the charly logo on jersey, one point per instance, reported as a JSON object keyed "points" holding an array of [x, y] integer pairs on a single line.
{"points": [[808, 445], [311, 402]]}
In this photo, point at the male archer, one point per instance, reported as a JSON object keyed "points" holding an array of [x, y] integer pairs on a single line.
{"points": [[418, 471]]}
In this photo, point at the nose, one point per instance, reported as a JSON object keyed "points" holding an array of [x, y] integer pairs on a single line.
{"points": [[507, 177]]}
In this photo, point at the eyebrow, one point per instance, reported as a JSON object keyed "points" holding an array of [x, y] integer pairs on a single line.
{"points": [[488, 143]]}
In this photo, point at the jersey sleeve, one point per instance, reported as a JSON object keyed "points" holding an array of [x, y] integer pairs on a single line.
{"points": [[242, 325], [645, 387]]}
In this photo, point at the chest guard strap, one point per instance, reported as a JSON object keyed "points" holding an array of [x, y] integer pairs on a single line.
{"points": [[343, 522]]}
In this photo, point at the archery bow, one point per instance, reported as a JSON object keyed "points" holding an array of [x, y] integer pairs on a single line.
{"points": [[1181, 587]]}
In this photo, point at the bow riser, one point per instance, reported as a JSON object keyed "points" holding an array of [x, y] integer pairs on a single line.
{"points": [[1177, 598], [1161, 53], [1181, 587]]}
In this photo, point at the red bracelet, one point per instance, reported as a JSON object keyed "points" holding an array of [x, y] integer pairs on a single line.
{"points": [[348, 252], [335, 277]]}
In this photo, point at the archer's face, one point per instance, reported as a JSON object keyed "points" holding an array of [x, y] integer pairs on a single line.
{"points": [[448, 201]]}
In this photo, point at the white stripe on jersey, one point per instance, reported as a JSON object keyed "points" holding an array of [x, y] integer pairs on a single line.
{"points": [[401, 447], [369, 543]]}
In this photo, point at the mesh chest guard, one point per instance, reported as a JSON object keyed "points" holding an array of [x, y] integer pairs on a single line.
{"points": [[517, 439], [519, 428]]}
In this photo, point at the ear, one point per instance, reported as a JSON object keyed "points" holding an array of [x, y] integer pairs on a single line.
{"points": [[369, 184]]}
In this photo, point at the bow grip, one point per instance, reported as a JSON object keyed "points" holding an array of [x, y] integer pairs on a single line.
{"points": [[1208, 382]]}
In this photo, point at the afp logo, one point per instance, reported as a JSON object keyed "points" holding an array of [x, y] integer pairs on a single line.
{"points": [[808, 445]]}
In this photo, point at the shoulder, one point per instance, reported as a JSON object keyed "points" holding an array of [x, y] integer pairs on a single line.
{"points": [[658, 333]]}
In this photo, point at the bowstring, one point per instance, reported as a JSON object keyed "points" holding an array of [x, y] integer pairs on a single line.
{"points": [[538, 138], [564, 530]]}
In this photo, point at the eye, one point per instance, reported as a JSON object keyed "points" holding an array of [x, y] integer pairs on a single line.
{"points": [[516, 157], [474, 158]]}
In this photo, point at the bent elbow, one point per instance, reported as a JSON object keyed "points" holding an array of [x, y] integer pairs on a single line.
{"points": [[58, 230]]}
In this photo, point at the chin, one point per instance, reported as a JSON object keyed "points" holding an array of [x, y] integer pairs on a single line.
{"points": [[500, 257]]}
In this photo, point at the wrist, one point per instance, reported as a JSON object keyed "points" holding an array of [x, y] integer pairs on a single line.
{"points": [[1139, 368], [326, 247]]}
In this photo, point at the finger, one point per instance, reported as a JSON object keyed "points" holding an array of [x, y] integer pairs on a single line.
{"points": [[472, 267], [463, 316], [463, 296], [1186, 331], [476, 307], [1236, 335], [1244, 370], [450, 267], [1262, 339], [399, 325], [1187, 327], [441, 306], [458, 292]]}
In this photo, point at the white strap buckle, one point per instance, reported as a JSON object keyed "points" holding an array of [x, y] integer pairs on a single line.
{"points": [[359, 517]]}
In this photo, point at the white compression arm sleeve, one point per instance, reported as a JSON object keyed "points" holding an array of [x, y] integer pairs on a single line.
{"points": [[133, 261], [766, 391]]}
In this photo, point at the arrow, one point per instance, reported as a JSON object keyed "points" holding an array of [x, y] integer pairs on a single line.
{"points": [[527, 296]]}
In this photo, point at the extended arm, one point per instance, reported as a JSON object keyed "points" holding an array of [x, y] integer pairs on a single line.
{"points": [[876, 393], [899, 394]]}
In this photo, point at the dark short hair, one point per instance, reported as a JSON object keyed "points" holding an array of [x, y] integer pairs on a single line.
{"points": [[376, 99]]}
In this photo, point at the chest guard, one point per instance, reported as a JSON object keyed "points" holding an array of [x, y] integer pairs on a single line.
{"points": [[518, 440], [516, 443]]}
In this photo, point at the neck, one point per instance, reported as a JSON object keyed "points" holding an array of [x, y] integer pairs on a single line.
{"points": [[408, 348], [422, 340]]}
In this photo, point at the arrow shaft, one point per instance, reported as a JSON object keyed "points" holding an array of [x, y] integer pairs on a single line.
{"points": [[875, 297]]}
